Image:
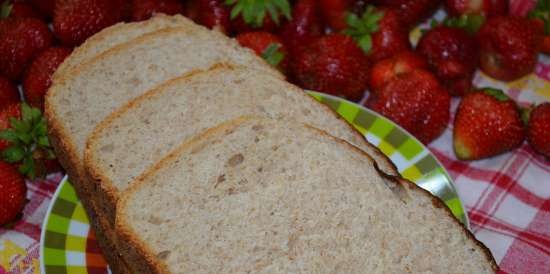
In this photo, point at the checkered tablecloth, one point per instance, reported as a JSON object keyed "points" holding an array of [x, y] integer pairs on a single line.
{"points": [[507, 197]]}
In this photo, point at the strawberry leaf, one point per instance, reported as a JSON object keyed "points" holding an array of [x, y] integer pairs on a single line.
{"points": [[24, 137], [5, 9], [496, 93], [272, 55], [43, 141], [27, 168], [19, 125], [9, 135], [361, 28], [470, 23], [30, 142], [253, 12], [13, 154]]}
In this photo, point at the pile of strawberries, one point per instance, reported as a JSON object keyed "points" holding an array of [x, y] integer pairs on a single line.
{"points": [[349, 48]]}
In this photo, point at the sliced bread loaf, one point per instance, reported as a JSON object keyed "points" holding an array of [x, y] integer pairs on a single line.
{"points": [[264, 196], [77, 103], [138, 135], [116, 35]]}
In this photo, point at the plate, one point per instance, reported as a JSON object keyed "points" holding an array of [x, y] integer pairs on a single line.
{"points": [[69, 246]]}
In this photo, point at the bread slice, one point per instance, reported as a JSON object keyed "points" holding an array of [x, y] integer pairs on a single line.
{"points": [[135, 137], [115, 35], [264, 196]]}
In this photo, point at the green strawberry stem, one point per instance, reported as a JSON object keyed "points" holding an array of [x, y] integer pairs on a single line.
{"points": [[496, 93], [29, 142], [254, 11], [361, 28], [526, 113], [5, 9], [272, 55], [470, 23]]}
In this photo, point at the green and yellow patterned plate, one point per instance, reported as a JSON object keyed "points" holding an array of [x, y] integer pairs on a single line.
{"points": [[68, 245]]}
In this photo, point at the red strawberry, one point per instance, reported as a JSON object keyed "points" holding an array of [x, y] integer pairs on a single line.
{"points": [[8, 111], [8, 92], [144, 9], [387, 69], [45, 7], [21, 39], [333, 64], [452, 55], [541, 14], [334, 13], [487, 123], [213, 14], [509, 47], [258, 15], [37, 79], [25, 139], [480, 7], [267, 45], [76, 20], [416, 101], [538, 129], [13, 193], [411, 12], [304, 27], [378, 32]]}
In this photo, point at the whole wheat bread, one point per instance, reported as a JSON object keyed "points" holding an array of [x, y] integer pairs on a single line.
{"points": [[264, 196], [77, 103], [80, 99], [136, 136], [115, 35]]}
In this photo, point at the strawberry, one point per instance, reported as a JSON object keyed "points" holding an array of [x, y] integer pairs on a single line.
{"points": [[509, 47], [334, 13], [258, 15], [333, 64], [8, 92], [304, 27], [28, 142], [21, 39], [13, 193], [213, 14], [452, 55], [267, 45], [416, 101], [487, 123], [480, 7], [411, 12], [538, 129], [8, 111], [378, 32], [144, 9], [45, 7], [387, 69], [37, 78], [76, 20], [541, 14]]}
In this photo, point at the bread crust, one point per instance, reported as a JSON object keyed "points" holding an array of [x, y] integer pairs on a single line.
{"points": [[135, 250]]}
